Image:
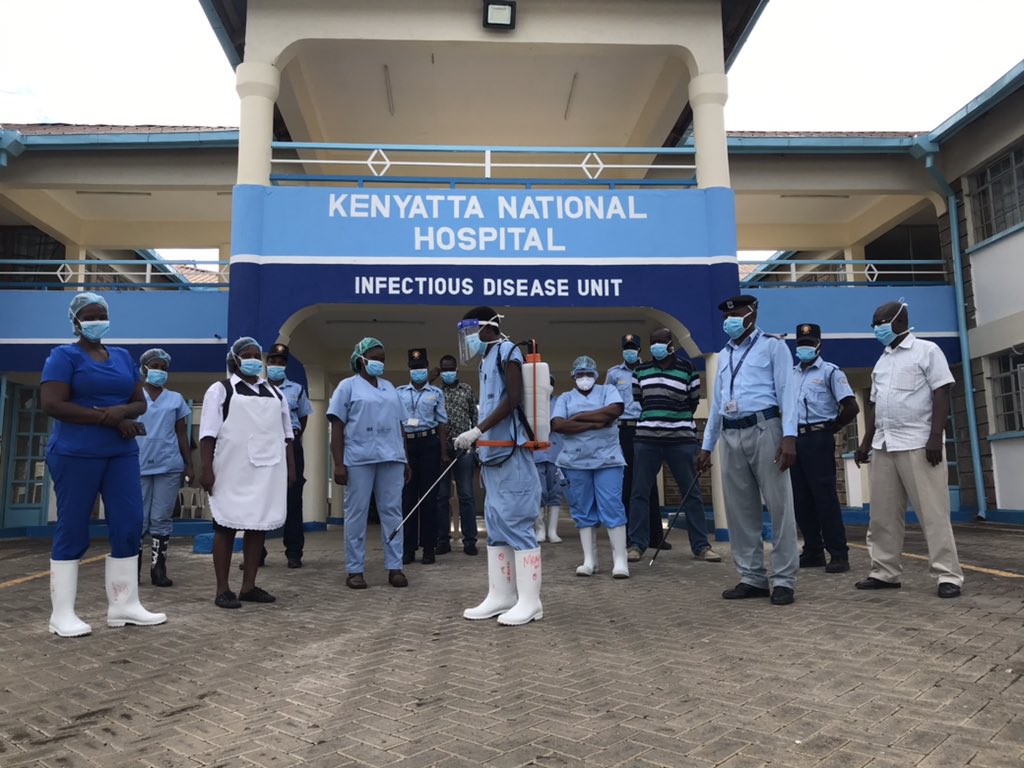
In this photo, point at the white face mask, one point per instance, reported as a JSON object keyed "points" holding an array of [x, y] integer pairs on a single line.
{"points": [[585, 383]]}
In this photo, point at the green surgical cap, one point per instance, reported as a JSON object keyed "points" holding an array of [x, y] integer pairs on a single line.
{"points": [[153, 354], [242, 343], [361, 349], [583, 363]]}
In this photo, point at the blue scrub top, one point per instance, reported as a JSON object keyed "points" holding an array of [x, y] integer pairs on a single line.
{"points": [[425, 405], [550, 454], [92, 385], [597, 448], [298, 403], [492, 390], [373, 421], [159, 453], [819, 390]]}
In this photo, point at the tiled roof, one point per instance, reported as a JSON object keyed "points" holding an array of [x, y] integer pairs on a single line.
{"points": [[823, 134], [198, 276]]}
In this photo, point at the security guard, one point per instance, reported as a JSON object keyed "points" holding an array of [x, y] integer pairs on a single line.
{"points": [[299, 407], [621, 377], [425, 424], [753, 411], [825, 404]]}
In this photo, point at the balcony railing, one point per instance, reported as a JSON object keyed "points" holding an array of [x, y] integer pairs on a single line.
{"points": [[860, 272], [113, 275]]}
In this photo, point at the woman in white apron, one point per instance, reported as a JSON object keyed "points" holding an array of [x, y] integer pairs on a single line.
{"points": [[245, 439]]}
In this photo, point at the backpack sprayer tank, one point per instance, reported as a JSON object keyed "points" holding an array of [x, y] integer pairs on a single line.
{"points": [[537, 397]]}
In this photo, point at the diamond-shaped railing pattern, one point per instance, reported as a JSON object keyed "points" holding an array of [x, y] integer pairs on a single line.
{"points": [[64, 273], [378, 162], [871, 273], [592, 165]]}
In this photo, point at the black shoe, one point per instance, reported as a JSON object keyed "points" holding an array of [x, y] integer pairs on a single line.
{"points": [[158, 571], [836, 565], [227, 599], [872, 583], [294, 562], [428, 557], [397, 579], [948, 590], [812, 561], [469, 547], [742, 591], [443, 547], [355, 581], [782, 596], [408, 558], [663, 545], [256, 595]]}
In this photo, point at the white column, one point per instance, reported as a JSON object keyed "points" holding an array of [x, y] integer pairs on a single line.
{"points": [[257, 84], [717, 491], [708, 94], [315, 446], [854, 272], [76, 252], [224, 270]]}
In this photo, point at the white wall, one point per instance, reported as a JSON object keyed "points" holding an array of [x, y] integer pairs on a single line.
{"points": [[1008, 458], [997, 271]]}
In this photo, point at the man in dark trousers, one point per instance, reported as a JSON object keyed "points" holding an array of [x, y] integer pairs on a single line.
{"points": [[825, 405]]}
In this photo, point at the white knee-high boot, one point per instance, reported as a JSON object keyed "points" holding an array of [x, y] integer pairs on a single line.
{"points": [[587, 542], [123, 606], [63, 590], [528, 580], [620, 561], [553, 513], [538, 527], [501, 584]]}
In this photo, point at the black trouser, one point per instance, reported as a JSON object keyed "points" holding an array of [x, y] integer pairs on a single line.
{"points": [[815, 499], [425, 465], [294, 536], [626, 435]]}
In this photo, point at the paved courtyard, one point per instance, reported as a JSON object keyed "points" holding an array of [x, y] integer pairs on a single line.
{"points": [[654, 671]]}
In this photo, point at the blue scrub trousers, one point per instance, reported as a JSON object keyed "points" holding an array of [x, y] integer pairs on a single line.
{"points": [[77, 480], [550, 485], [159, 494], [595, 496], [511, 501], [384, 480]]}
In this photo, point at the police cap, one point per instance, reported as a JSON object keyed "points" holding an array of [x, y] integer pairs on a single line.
{"points": [[743, 300], [631, 341], [418, 358], [808, 332], [278, 350]]}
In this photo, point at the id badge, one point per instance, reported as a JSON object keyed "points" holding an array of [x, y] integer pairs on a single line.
{"points": [[413, 422], [731, 406]]}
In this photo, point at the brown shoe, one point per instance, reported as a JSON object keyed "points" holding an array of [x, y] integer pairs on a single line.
{"points": [[355, 581], [397, 579]]}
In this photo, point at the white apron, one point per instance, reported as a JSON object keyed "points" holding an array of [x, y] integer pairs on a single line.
{"points": [[250, 467]]}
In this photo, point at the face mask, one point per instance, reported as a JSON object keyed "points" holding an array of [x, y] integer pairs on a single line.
{"points": [[734, 327], [275, 372], [659, 351], [156, 377], [473, 344], [585, 383], [449, 377], [806, 354], [251, 366], [374, 367], [631, 356], [884, 332], [94, 330], [418, 376]]}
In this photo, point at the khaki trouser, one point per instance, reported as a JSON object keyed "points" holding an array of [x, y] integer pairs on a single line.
{"points": [[895, 477]]}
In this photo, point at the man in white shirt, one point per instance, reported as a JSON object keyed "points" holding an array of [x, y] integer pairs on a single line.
{"points": [[910, 388]]}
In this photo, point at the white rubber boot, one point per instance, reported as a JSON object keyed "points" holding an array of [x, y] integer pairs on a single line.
{"points": [[528, 580], [123, 606], [63, 590], [620, 562], [587, 541], [553, 513], [501, 585], [538, 527]]}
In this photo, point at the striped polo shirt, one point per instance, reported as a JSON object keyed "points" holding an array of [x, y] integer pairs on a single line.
{"points": [[668, 398]]}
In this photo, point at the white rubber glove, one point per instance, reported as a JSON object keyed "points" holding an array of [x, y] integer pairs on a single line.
{"points": [[467, 438]]}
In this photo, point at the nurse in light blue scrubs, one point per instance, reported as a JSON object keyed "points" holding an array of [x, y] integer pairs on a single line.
{"points": [[592, 463], [164, 456], [369, 459]]}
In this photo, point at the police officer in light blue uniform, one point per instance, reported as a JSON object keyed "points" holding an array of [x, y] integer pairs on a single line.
{"points": [[424, 423], [508, 473], [592, 462], [300, 409], [825, 405], [369, 458]]}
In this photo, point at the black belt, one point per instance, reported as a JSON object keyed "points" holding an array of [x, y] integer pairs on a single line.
{"points": [[628, 423], [820, 426], [424, 433], [751, 421]]}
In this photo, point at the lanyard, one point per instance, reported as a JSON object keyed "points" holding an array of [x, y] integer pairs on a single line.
{"points": [[733, 372], [414, 401]]}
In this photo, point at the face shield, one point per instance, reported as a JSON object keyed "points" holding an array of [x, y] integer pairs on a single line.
{"points": [[468, 331]]}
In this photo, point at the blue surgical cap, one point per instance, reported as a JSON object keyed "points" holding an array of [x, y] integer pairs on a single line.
{"points": [[153, 354], [84, 299], [361, 349], [584, 363], [242, 343]]}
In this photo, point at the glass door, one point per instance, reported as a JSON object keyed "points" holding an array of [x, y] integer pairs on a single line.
{"points": [[25, 497]]}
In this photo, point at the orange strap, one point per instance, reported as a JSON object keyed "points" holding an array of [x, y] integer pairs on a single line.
{"points": [[532, 445]]}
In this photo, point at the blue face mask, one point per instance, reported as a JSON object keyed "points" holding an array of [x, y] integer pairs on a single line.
{"points": [[734, 327], [250, 366], [473, 344], [659, 351], [374, 367], [449, 377], [418, 375], [156, 377], [806, 354], [884, 332], [631, 356], [94, 330], [275, 372]]}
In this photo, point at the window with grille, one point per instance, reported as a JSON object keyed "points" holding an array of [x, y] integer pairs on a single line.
{"points": [[1007, 387], [998, 197]]}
